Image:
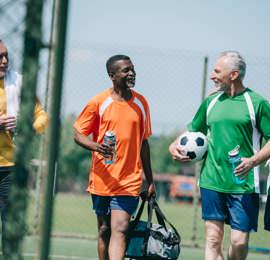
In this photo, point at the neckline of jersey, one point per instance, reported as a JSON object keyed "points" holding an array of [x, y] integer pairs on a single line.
{"points": [[237, 95], [124, 102]]}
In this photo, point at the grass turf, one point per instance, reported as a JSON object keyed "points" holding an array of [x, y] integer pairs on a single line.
{"points": [[73, 217]]}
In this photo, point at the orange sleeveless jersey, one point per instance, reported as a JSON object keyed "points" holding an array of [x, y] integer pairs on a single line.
{"points": [[131, 122]]}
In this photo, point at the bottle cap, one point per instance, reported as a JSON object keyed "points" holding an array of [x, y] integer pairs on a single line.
{"points": [[110, 133], [234, 151]]}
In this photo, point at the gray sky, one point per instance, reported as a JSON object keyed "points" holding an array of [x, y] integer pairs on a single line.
{"points": [[167, 41], [207, 25]]}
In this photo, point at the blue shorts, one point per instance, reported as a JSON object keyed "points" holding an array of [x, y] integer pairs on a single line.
{"points": [[240, 211], [103, 205], [267, 214]]}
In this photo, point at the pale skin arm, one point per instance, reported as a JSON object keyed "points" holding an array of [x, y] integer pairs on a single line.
{"points": [[248, 163], [82, 140]]}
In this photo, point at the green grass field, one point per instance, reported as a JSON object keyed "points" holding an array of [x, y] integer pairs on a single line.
{"points": [[74, 221]]}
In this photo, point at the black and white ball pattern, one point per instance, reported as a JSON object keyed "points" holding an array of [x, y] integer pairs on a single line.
{"points": [[193, 144]]}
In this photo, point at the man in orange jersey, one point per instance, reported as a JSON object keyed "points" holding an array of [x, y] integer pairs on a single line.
{"points": [[10, 86], [115, 187]]}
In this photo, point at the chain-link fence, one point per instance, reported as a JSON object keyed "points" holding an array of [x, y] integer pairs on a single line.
{"points": [[171, 80]]}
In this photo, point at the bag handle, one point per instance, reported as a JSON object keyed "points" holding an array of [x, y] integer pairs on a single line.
{"points": [[143, 197], [151, 208], [162, 219]]}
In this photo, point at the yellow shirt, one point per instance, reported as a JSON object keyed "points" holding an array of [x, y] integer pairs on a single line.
{"points": [[6, 143]]}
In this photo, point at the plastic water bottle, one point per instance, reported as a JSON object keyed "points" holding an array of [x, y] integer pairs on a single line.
{"points": [[110, 139], [235, 160]]}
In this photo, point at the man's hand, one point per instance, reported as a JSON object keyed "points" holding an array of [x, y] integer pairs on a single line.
{"points": [[7, 123], [104, 149], [177, 153], [244, 167], [151, 191]]}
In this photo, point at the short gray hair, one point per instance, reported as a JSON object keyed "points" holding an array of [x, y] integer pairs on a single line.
{"points": [[236, 61]]}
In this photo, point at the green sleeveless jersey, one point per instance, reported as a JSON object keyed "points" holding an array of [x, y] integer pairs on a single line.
{"points": [[228, 122]]}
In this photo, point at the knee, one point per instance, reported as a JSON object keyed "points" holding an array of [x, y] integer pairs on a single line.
{"points": [[104, 231], [120, 226], [214, 241], [239, 242]]}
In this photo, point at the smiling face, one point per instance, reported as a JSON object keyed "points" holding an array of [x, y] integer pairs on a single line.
{"points": [[124, 75], [3, 60], [223, 74]]}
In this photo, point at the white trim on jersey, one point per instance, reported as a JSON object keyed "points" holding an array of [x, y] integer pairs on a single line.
{"points": [[140, 105], [104, 105], [212, 103], [256, 137]]}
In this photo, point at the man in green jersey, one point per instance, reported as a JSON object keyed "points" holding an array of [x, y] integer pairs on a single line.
{"points": [[234, 116]]}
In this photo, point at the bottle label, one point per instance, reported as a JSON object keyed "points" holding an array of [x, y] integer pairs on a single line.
{"points": [[110, 139], [234, 161]]}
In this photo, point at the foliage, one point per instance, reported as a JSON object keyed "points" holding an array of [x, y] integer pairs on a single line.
{"points": [[162, 161], [73, 160]]}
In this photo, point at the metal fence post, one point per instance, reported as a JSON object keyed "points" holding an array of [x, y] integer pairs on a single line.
{"points": [[198, 166], [58, 43], [16, 226]]}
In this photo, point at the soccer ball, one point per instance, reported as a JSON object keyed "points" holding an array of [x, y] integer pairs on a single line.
{"points": [[193, 144]]}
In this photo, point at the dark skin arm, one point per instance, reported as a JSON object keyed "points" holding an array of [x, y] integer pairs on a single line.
{"points": [[88, 144], [146, 163]]}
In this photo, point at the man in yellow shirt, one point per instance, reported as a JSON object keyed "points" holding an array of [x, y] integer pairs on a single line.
{"points": [[10, 87]]}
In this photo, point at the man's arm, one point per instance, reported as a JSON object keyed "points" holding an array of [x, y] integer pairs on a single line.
{"points": [[88, 144], [249, 163], [146, 163]]}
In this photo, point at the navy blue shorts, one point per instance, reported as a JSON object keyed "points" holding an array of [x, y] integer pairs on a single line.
{"points": [[103, 205], [267, 214], [240, 211]]}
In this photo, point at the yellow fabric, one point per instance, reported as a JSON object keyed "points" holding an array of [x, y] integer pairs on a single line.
{"points": [[3, 101], [40, 118], [6, 143]]}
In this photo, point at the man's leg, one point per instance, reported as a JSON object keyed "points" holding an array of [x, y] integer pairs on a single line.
{"points": [[5, 182], [104, 234], [101, 206], [238, 249], [119, 225], [244, 211], [267, 214], [122, 208], [214, 213], [214, 231]]}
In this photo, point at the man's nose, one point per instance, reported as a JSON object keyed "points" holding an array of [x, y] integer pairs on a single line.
{"points": [[132, 72], [4, 59], [212, 76]]}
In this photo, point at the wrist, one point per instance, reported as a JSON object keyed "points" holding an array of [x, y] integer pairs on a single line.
{"points": [[254, 161]]}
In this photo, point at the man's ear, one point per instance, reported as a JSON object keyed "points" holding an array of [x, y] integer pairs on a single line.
{"points": [[111, 75], [235, 74]]}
